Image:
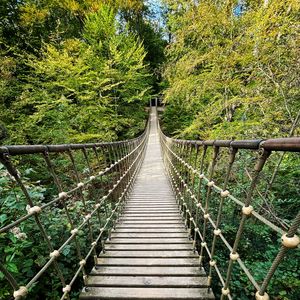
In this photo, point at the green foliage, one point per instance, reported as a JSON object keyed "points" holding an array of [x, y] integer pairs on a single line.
{"points": [[80, 90], [144, 22], [259, 244], [76, 71], [25, 250], [236, 73]]}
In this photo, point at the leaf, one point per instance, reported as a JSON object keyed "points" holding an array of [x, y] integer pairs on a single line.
{"points": [[3, 218], [11, 267], [66, 250]]}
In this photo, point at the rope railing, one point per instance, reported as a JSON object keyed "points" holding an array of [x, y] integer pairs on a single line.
{"points": [[103, 174], [200, 173]]}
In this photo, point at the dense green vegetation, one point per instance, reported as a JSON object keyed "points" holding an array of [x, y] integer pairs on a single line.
{"points": [[76, 71], [24, 251], [259, 243], [232, 70]]}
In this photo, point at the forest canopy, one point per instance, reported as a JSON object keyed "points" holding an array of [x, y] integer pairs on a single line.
{"points": [[232, 69], [75, 71]]}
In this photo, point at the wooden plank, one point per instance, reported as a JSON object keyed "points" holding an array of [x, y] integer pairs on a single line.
{"points": [[159, 215], [147, 281], [153, 209], [151, 222], [152, 199], [149, 271], [147, 235], [159, 211], [146, 205], [156, 202], [152, 205], [146, 293], [149, 261], [149, 241], [150, 226], [167, 196], [145, 188], [143, 195], [157, 197], [150, 217], [151, 230], [150, 214], [153, 253], [152, 202], [148, 247]]}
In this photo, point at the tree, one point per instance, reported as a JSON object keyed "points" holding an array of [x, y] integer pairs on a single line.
{"points": [[80, 89], [229, 71]]}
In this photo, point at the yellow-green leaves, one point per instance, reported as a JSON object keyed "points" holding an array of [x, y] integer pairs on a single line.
{"points": [[233, 72], [81, 89], [31, 14]]}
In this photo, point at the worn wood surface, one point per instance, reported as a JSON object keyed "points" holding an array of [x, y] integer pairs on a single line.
{"points": [[149, 254], [149, 293]]}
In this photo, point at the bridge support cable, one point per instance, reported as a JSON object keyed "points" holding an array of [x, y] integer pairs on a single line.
{"points": [[95, 178], [200, 173]]}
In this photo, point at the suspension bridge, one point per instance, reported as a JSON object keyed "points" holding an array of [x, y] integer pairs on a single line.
{"points": [[150, 214]]}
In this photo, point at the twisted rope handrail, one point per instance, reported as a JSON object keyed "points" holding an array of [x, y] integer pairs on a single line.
{"points": [[194, 191], [117, 161]]}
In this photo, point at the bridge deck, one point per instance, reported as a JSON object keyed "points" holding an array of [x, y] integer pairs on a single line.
{"points": [[149, 254]]}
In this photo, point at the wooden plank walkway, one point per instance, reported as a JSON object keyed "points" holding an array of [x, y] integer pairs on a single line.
{"points": [[149, 254]]}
